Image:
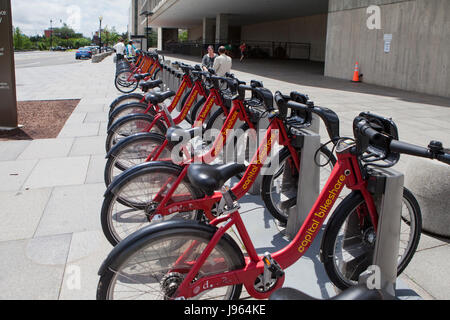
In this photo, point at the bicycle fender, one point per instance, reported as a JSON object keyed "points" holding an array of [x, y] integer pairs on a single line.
{"points": [[128, 117], [124, 97], [119, 253], [125, 105], [130, 173], [138, 136]]}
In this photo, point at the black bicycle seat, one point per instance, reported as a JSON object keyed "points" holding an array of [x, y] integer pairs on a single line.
{"points": [[360, 292], [151, 84], [156, 98], [140, 77], [210, 178]]}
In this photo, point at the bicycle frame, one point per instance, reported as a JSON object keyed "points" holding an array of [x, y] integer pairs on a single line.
{"points": [[196, 91], [345, 173], [162, 115], [236, 112], [149, 65], [276, 130]]}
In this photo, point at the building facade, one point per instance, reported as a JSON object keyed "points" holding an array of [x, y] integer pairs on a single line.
{"points": [[137, 25], [397, 43]]}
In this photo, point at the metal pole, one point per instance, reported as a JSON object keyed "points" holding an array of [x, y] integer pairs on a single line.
{"points": [[51, 34], [100, 35], [8, 105]]}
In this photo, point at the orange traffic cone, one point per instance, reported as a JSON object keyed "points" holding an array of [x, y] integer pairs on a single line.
{"points": [[356, 76]]}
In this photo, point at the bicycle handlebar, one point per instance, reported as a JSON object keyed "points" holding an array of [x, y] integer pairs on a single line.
{"points": [[435, 151], [328, 116]]}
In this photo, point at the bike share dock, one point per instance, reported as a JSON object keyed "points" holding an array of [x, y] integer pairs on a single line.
{"points": [[52, 190]]}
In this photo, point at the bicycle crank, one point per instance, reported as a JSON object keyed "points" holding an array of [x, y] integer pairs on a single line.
{"points": [[272, 273]]}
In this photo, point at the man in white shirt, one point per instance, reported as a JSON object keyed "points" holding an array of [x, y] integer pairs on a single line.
{"points": [[120, 49], [223, 63]]}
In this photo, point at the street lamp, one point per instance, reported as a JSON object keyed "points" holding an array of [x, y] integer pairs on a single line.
{"points": [[100, 33], [147, 14], [51, 34]]}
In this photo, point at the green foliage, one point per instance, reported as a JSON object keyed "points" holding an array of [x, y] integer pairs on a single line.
{"points": [[65, 32], [110, 36], [21, 41], [183, 35], [64, 36]]}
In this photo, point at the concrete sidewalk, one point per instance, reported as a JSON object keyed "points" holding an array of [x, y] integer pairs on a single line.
{"points": [[51, 243]]}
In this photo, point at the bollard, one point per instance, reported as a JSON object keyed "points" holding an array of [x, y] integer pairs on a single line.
{"points": [[389, 207], [308, 183]]}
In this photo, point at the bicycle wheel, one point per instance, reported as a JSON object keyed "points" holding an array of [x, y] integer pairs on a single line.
{"points": [[349, 240], [157, 75], [123, 85], [151, 268], [127, 109], [280, 184], [131, 124], [124, 99], [132, 151], [216, 123], [131, 206], [193, 115]]}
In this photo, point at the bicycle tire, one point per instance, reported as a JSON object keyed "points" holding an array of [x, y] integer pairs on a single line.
{"points": [[193, 115], [120, 202], [124, 99], [339, 217], [156, 75], [125, 86], [137, 122], [126, 149], [267, 185], [127, 109], [141, 247]]}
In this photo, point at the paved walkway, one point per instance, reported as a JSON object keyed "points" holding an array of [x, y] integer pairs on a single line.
{"points": [[51, 244]]}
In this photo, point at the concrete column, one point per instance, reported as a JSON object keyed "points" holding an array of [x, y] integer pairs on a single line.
{"points": [[164, 35], [221, 28], [208, 30], [160, 39]]}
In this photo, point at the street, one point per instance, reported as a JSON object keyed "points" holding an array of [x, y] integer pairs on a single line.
{"points": [[44, 58]]}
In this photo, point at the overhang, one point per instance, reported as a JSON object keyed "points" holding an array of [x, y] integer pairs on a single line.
{"points": [[190, 13]]}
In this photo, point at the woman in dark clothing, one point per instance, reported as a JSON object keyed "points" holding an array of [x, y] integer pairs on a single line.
{"points": [[208, 59]]}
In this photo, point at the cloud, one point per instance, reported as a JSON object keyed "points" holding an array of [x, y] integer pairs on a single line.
{"points": [[33, 17]]}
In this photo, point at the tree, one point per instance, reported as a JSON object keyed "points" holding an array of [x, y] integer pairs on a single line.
{"points": [[183, 35], [21, 41], [110, 36], [65, 32]]}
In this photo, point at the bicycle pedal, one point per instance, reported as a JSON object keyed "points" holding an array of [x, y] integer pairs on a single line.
{"points": [[273, 267]]}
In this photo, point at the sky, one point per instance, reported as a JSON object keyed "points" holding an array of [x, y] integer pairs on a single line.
{"points": [[33, 16]]}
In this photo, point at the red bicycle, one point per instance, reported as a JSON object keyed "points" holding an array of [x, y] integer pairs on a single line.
{"points": [[191, 260], [138, 99], [158, 190], [156, 117], [146, 67], [144, 147]]}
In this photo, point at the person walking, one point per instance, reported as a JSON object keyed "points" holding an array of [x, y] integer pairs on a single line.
{"points": [[243, 49], [223, 63], [119, 48], [131, 50], [208, 59]]}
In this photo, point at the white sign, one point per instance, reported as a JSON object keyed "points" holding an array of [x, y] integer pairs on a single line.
{"points": [[387, 43], [3, 13]]}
